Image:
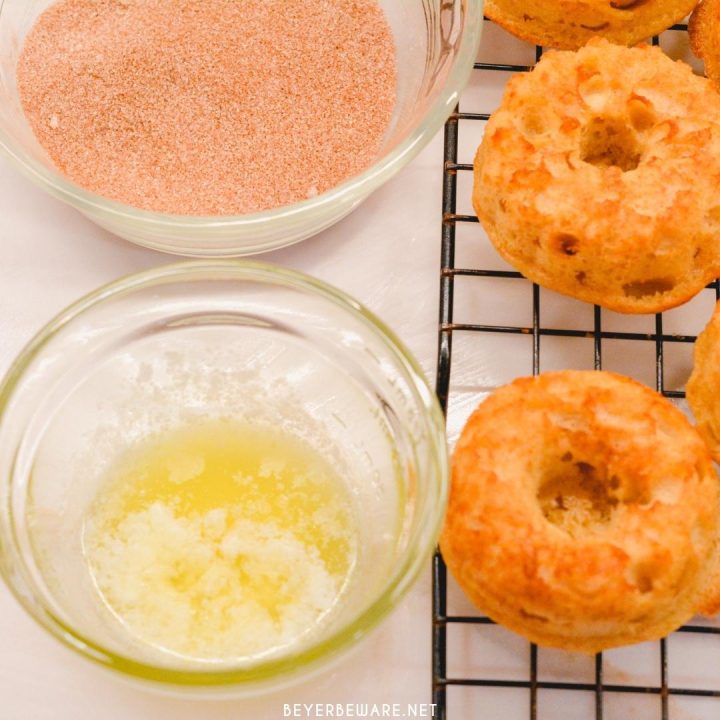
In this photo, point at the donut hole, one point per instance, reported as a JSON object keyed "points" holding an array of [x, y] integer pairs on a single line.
{"points": [[610, 142], [577, 496], [647, 288]]}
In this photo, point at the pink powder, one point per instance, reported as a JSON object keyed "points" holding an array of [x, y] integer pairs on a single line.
{"points": [[209, 107]]}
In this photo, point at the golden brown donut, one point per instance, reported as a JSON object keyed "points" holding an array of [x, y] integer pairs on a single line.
{"points": [[703, 387], [569, 24], [599, 177], [704, 30], [583, 511]]}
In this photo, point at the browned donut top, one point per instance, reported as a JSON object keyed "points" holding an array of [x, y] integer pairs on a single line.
{"points": [[569, 24], [704, 30], [703, 387], [599, 177]]}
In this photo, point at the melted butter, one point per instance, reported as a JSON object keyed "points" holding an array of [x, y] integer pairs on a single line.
{"points": [[221, 540]]}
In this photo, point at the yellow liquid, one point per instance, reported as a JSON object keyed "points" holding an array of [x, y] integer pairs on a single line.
{"points": [[221, 540]]}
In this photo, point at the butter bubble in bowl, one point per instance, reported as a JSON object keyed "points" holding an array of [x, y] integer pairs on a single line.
{"points": [[216, 476]]}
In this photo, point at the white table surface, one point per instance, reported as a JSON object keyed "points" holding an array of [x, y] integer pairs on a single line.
{"points": [[386, 254]]}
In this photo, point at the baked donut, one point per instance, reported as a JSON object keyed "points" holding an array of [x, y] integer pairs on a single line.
{"points": [[703, 386], [704, 31], [569, 24], [583, 512], [599, 177]]}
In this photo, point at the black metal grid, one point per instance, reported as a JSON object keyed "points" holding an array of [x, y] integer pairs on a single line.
{"points": [[447, 329]]}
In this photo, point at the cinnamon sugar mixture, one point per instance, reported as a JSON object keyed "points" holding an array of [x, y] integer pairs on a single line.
{"points": [[209, 107]]}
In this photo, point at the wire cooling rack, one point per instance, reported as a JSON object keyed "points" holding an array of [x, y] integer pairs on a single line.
{"points": [[480, 670]]}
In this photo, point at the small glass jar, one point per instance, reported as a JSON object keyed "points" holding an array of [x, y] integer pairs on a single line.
{"points": [[214, 339], [436, 46]]}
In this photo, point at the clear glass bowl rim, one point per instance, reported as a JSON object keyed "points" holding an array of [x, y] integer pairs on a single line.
{"points": [[356, 188], [420, 545]]}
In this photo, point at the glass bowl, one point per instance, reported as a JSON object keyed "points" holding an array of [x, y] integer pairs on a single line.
{"points": [[436, 44], [214, 339]]}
